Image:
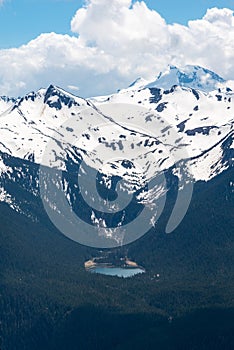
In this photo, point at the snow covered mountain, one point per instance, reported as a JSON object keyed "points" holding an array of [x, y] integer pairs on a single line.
{"points": [[6, 103], [191, 119], [190, 76], [195, 77], [179, 125]]}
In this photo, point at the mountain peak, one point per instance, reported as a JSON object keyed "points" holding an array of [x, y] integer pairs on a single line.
{"points": [[139, 82], [195, 77], [5, 103], [56, 97]]}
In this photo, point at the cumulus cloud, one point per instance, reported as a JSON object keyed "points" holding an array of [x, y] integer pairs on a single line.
{"points": [[114, 42]]}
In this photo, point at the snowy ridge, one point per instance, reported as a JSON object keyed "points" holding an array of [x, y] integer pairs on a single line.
{"points": [[28, 124], [135, 134], [189, 76], [195, 77], [6, 103], [184, 117]]}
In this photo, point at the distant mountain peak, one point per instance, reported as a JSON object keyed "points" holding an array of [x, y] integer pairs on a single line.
{"points": [[195, 77], [138, 82]]}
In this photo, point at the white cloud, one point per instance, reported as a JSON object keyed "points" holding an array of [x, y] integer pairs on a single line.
{"points": [[115, 42], [73, 87], [224, 17]]}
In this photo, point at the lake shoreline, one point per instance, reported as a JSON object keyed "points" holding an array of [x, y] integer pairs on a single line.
{"points": [[126, 267]]}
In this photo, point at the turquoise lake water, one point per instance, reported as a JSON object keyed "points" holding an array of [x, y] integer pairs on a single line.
{"points": [[117, 271]]}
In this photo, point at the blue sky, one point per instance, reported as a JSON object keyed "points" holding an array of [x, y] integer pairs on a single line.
{"points": [[108, 44], [23, 20]]}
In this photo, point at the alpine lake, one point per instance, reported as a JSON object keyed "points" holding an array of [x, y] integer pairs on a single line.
{"points": [[107, 264]]}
